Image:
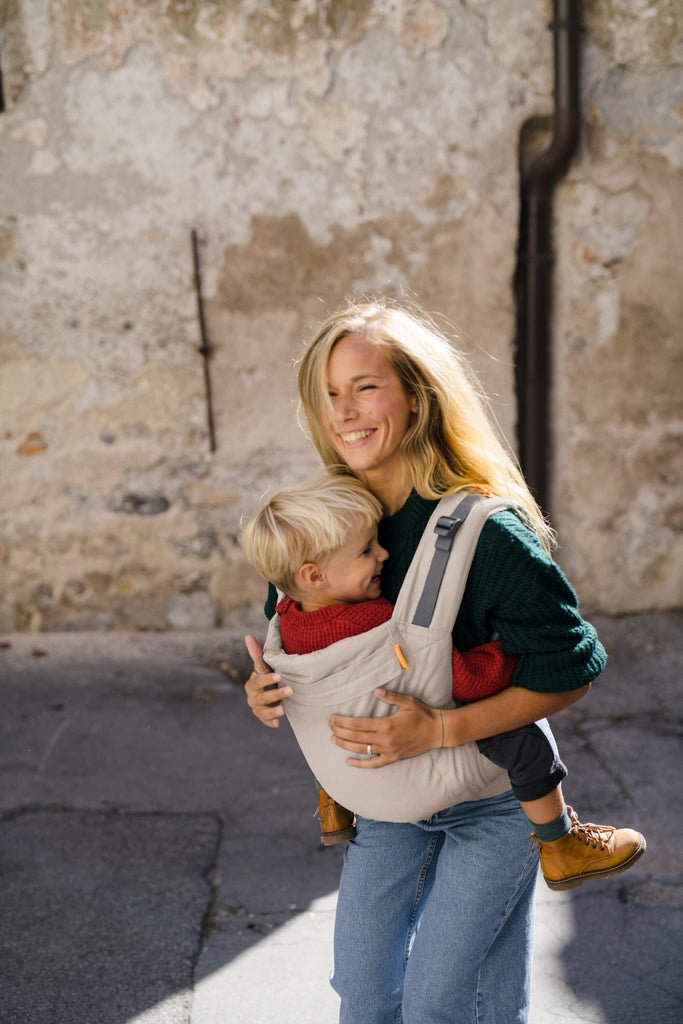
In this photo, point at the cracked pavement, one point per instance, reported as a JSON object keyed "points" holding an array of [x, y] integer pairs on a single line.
{"points": [[159, 854]]}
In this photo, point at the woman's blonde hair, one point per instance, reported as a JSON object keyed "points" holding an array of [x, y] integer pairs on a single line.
{"points": [[306, 523], [450, 444]]}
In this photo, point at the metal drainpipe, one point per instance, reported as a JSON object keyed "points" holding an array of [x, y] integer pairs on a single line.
{"points": [[533, 276]]}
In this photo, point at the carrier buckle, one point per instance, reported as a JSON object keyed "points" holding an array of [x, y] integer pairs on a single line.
{"points": [[445, 529]]}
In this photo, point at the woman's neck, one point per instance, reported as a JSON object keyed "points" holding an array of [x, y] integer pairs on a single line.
{"points": [[391, 490]]}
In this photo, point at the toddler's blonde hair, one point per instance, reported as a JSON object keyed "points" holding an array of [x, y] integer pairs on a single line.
{"points": [[306, 523]]}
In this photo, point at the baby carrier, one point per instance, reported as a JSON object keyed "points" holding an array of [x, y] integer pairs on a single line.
{"points": [[410, 653]]}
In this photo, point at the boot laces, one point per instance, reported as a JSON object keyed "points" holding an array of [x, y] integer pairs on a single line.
{"points": [[591, 834]]}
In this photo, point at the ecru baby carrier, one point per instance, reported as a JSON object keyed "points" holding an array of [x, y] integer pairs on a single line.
{"points": [[341, 678]]}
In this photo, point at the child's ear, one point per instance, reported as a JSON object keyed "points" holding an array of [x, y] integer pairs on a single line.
{"points": [[311, 575]]}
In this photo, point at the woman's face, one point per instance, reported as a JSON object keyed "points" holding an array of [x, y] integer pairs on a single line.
{"points": [[371, 410]]}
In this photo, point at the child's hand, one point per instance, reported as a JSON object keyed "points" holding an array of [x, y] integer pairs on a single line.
{"points": [[263, 696], [412, 729]]}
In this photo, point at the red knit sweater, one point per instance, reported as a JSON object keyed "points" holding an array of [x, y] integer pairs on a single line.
{"points": [[477, 673]]}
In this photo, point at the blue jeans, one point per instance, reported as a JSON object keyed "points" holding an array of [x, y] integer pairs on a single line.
{"points": [[435, 921]]}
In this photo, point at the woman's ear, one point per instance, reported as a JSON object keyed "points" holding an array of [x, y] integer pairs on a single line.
{"points": [[311, 575], [414, 404]]}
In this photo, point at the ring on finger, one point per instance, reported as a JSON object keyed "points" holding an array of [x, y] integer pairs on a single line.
{"points": [[369, 749]]}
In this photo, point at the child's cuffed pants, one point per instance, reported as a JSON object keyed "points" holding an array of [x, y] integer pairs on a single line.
{"points": [[530, 757]]}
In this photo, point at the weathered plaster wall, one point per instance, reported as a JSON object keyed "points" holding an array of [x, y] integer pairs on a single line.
{"points": [[619, 358], [319, 149]]}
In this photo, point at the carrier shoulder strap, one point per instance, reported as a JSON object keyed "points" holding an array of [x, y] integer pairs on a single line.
{"points": [[445, 553], [445, 529]]}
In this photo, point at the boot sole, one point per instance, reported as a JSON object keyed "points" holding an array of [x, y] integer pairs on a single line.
{"points": [[344, 834], [577, 880]]}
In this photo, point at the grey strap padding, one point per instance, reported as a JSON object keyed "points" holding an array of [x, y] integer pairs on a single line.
{"points": [[445, 529]]}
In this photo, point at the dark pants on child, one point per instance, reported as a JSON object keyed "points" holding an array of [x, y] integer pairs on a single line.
{"points": [[529, 758]]}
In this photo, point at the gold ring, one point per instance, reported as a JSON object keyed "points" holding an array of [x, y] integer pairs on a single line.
{"points": [[369, 749]]}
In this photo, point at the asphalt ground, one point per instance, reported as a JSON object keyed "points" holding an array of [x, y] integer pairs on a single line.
{"points": [[160, 862]]}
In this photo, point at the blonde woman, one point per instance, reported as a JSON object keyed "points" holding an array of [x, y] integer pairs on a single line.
{"points": [[434, 920]]}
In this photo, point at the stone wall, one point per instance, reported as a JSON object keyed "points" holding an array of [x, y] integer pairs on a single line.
{"points": [[319, 150]]}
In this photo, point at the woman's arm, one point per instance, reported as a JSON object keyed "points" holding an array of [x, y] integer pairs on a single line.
{"points": [[263, 696], [415, 728]]}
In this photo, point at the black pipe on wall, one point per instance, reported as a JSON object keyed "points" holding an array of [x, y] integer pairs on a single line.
{"points": [[534, 272]]}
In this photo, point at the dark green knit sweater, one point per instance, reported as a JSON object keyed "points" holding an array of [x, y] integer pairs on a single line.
{"points": [[514, 589]]}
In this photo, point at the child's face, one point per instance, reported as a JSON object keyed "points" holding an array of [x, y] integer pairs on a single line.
{"points": [[353, 571]]}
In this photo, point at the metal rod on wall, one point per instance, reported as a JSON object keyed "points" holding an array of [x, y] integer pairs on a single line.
{"points": [[205, 348], [2, 90]]}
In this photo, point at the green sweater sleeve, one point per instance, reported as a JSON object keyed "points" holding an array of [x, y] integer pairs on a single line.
{"points": [[518, 592]]}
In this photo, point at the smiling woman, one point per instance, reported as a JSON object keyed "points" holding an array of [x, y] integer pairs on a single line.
{"points": [[449, 442], [434, 917], [370, 412]]}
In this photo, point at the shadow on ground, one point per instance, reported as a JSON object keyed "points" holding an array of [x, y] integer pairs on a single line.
{"points": [[146, 816], [622, 954], [159, 855]]}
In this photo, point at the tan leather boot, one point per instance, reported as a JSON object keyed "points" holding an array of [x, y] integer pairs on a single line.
{"points": [[336, 823], [588, 851]]}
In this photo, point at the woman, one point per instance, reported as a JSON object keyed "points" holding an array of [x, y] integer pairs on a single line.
{"points": [[434, 920]]}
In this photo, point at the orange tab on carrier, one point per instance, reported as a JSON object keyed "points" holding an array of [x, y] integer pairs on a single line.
{"points": [[401, 656]]}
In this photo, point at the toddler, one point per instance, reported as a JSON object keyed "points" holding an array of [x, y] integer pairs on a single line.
{"points": [[317, 542]]}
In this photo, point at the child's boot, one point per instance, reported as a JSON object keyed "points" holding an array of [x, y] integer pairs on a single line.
{"points": [[336, 823], [588, 851]]}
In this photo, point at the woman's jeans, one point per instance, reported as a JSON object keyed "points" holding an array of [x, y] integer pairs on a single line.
{"points": [[456, 893]]}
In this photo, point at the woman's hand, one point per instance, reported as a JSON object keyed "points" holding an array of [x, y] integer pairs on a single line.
{"points": [[415, 727], [412, 729], [263, 696]]}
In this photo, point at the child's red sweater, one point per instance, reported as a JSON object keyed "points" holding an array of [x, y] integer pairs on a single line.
{"points": [[477, 673]]}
